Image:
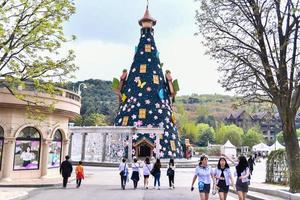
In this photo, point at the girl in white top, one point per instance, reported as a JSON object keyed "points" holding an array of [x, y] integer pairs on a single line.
{"points": [[205, 175], [123, 169], [135, 177], [146, 171], [242, 173], [223, 178]]}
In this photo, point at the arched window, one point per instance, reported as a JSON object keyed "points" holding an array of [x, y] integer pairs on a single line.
{"points": [[27, 151], [1, 144], [55, 150]]}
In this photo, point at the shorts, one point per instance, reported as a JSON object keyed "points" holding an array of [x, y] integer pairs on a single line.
{"points": [[205, 189], [241, 187], [146, 176]]}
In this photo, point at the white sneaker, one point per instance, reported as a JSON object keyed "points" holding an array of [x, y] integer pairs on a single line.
{"points": [[158, 188]]}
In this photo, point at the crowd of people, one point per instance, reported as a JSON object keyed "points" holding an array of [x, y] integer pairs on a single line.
{"points": [[219, 178], [148, 169]]}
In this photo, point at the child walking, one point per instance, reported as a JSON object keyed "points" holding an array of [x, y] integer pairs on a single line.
{"points": [[79, 174]]}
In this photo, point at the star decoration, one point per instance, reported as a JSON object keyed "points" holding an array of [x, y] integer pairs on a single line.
{"points": [[142, 53], [138, 104], [150, 112], [137, 79], [140, 94], [133, 116], [148, 89], [147, 101], [149, 59], [135, 136], [160, 111], [133, 69], [155, 117]]}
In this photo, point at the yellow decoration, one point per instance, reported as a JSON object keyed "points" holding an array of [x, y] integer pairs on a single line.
{"points": [[173, 146], [147, 48], [142, 113], [124, 97], [173, 119], [161, 136], [155, 79], [143, 68], [125, 121], [141, 84]]}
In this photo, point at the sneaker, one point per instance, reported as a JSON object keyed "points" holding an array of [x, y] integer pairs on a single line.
{"points": [[158, 188], [146, 188]]}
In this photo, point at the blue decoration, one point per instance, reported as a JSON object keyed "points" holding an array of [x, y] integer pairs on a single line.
{"points": [[157, 54], [161, 94]]}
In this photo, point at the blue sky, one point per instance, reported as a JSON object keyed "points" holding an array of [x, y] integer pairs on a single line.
{"points": [[107, 32]]}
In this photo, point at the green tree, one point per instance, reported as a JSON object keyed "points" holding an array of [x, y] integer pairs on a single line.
{"points": [[206, 134], [252, 137], [256, 44], [31, 35], [280, 136], [234, 134], [93, 119], [220, 133], [190, 131]]}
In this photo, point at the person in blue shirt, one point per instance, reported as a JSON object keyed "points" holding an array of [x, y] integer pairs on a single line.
{"points": [[205, 174]]}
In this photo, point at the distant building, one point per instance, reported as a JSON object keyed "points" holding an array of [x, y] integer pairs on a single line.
{"points": [[240, 118], [268, 122]]}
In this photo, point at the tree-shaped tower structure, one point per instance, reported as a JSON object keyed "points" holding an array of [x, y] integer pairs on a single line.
{"points": [[146, 97]]}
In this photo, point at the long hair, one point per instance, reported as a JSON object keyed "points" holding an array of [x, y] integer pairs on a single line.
{"points": [[157, 163], [243, 164], [219, 163], [201, 159]]}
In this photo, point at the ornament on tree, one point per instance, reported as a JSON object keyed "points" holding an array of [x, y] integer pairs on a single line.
{"points": [[118, 85], [173, 86], [161, 94]]}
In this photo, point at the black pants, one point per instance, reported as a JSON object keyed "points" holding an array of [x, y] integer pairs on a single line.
{"points": [[123, 182], [78, 182], [65, 181], [171, 180], [135, 184]]}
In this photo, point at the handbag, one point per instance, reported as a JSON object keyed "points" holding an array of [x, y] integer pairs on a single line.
{"points": [[152, 172], [122, 173]]}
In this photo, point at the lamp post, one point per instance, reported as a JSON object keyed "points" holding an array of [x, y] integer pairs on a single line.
{"points": [[79, 91]]}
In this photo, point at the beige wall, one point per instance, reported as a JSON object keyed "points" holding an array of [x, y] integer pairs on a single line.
{"points": [[13, 120]]}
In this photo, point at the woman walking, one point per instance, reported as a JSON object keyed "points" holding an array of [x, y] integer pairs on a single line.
{"points": [[123, 168], [156, 173], [223, 178], [242, 173], [135, 177], [146, 170], [171, 173], [205, 175]]}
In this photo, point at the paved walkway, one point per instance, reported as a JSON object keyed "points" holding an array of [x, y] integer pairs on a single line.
{"points": [[104, 183]]}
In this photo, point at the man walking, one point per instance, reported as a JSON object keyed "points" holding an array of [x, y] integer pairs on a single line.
{"points": [[66, 170]]}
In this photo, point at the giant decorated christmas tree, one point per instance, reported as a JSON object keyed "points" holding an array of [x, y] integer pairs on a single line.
{"points": [[146, 97]]}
